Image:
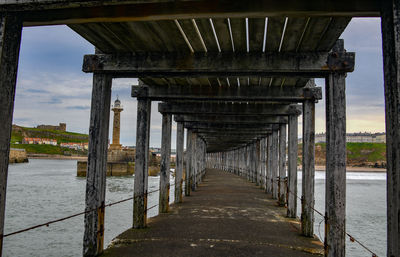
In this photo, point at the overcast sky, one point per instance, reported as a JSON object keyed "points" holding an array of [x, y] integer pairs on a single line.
{"points": [[51, 87]]}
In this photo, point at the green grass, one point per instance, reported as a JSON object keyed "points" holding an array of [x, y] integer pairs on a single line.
{"points": [[371, 152], [48, 149], [60, 136]]}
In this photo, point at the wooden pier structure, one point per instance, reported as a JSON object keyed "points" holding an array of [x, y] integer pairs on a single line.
{"points": [[236, 75]]}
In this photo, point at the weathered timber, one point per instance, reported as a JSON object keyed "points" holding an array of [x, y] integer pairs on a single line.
{"points": [[308, 169], [180, 134], [335, 181], [93, 238], [193, 165], [391, 62], [312, 64], [211, 126], [282, 164], [44, 12], [188, 161], [292, 166], [268, 175], [258, 162], [141, 163], [230, 93], [165, 162], [232, 119], [10, 40], [228, 108], [274, 163]]}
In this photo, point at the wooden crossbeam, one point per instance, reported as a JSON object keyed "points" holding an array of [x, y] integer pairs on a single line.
{"points": [[228, 108], [211, 126], [310, 64], [231, 119], [228, 93]]}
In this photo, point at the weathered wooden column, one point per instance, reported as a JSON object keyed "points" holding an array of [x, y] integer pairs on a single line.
{"points": [[268, 175], [262, 163], [10, 40], [335, 181], [165, 162], [180, 134], [274, 164], [391, 62], [188, 162], [282, 164], [307, 213], [292, 166], [141, 163], [93, 238], [258, 163], [193, 163]]}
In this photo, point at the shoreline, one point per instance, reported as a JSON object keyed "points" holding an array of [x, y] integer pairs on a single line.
{"points": [[353, 169], [56, 157]]}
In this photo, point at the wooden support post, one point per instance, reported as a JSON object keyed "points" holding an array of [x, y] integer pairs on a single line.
{"points": [[391, 61], [274, 164], [282, 164], [10, 41], [292, 166], [269, 164], [307, 212], [193, 163], [335, 181], [165, 162], [263, 160], [180, 134], [93, 238], [141, 163], [258, 163], [188, 161]]}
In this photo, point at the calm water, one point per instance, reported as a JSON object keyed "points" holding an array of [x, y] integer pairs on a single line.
{"points": [[43, 190]]}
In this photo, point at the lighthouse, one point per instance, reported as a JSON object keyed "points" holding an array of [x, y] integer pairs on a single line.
{"points": [[117, 109]]}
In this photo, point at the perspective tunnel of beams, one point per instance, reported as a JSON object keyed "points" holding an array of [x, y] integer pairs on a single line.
{"points": [[213, 35]]}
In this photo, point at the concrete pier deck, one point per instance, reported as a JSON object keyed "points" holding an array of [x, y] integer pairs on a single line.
{"points": [[226, 216]]}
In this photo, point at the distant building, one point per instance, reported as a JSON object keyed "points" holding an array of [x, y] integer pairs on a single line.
{"points": [[38, 141], [60, 127], [76, 146], [356, 138]]}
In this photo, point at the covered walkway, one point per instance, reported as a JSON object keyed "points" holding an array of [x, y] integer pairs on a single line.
{"points": [[226, 216]]}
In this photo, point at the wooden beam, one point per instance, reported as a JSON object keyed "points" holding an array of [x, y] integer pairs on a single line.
{"points": [[155, 64], [141, 163], [228, 108], [227, 93], [180, 135], [292, 166], [308, 169], [188, 162], [165, 162], [231, 119], [282, 164], [10, 41], [93, 238], [222, 127], [47, 12], [274, 164], [391, 62]]}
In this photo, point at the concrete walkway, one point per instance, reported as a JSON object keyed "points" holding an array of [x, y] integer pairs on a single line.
{"points": [[226, 216]]}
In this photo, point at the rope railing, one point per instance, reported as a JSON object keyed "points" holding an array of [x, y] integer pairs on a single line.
{"points": [[46, 224], [325, 218]]}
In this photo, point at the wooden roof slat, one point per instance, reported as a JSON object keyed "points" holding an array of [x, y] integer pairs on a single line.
{"points": [[93, 37], [213, 81], [274, 33], [277, 82], [335, 29], [222, 30], [314, 33], [233, 81], [203, 81], [243, 81], [223, 81], [254, 81], [194, 81], [290, 82], [256, 33], [294, 31], [238, 26], [301, 82], [191, 34], [181, 81], [170, 36], [125, 36], [144, 35], [207, 34], [154, 81], [113, 38]]}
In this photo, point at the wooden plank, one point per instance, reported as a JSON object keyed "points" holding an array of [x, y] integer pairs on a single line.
{"points": [[335, 178], [294, 33], [167, 30], [335, 29], [165, 162], [93, 238], [191, 34], [93, 37], [282, 164], [207, 34], [274, 33], [145, 36], [256, 34], [316, 30], [222, 31], [391, 49], [238, 26], [141, 163], [308, 169], [292, 166], [10, 41]]}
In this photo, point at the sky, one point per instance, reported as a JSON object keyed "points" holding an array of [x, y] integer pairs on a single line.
{"points": [[51, 87]]}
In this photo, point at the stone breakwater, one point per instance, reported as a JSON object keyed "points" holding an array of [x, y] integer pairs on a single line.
{"points": [[17, 156]]}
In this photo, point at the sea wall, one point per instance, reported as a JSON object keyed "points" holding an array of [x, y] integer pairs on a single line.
{"points": [[17, 156], [113, 168]]}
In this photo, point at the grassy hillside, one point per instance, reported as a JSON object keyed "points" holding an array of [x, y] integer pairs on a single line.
{"points": [[358, 154], [18, 133]]}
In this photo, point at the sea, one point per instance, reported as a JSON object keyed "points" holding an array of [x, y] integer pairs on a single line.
{"points": [[44, 190]]}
